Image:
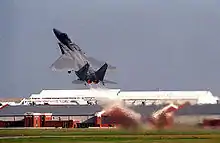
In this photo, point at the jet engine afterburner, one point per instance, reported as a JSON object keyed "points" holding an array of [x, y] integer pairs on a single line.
{"points": [[89, 81], [95, 81]]}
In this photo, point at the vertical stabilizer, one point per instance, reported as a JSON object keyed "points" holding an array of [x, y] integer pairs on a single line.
{"points": [[82, 73], [100, 74]]}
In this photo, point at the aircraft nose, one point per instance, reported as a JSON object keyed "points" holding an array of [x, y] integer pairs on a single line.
{"points": [[56, 32]]}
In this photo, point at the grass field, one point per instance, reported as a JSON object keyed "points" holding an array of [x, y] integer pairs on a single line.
{"points": [[107, 135]]}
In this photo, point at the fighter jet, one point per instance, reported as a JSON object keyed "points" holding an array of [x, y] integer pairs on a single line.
{"points": [[66, 41], [86, 73], [87, 76]]}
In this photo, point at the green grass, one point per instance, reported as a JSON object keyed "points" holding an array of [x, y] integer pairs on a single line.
{"points": [[48, 132], [108, 136], [107, 140]]}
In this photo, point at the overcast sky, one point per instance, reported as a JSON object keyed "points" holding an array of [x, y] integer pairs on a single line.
{"points": [[171, 45]]}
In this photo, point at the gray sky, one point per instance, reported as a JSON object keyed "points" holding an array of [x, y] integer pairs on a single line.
{"points": [[171, 45]]}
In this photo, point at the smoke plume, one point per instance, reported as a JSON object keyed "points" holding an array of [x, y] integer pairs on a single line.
{"points": [[116, 112]]}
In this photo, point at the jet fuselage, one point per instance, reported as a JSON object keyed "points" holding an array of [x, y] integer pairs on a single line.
{"points": [[63, 38], [92, 78]]}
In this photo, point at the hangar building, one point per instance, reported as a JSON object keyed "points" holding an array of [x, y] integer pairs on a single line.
{"points": [[92, 96], [84, 115]]}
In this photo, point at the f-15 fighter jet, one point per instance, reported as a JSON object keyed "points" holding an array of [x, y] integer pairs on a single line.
{"points": [[67, 60]]}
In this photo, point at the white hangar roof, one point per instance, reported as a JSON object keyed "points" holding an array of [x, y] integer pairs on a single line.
{"points": [[74, 93], [202, 97]]}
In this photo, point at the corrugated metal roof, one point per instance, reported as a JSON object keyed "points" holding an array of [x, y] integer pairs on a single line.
{"points": [[206, 109], [81, 110]]}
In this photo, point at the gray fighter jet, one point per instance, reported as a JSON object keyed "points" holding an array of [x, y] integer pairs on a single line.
{"points": [[74, 49]]}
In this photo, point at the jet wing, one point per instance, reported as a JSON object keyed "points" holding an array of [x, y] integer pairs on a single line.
{"points": [[91, 60], [98, 63], [65, 63]]}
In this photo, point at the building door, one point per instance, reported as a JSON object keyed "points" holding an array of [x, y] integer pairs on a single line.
{"points": [[42, 120]]}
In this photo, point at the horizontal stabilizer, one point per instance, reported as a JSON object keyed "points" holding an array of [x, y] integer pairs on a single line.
{"points": [[77, 82], [108, 81]]}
